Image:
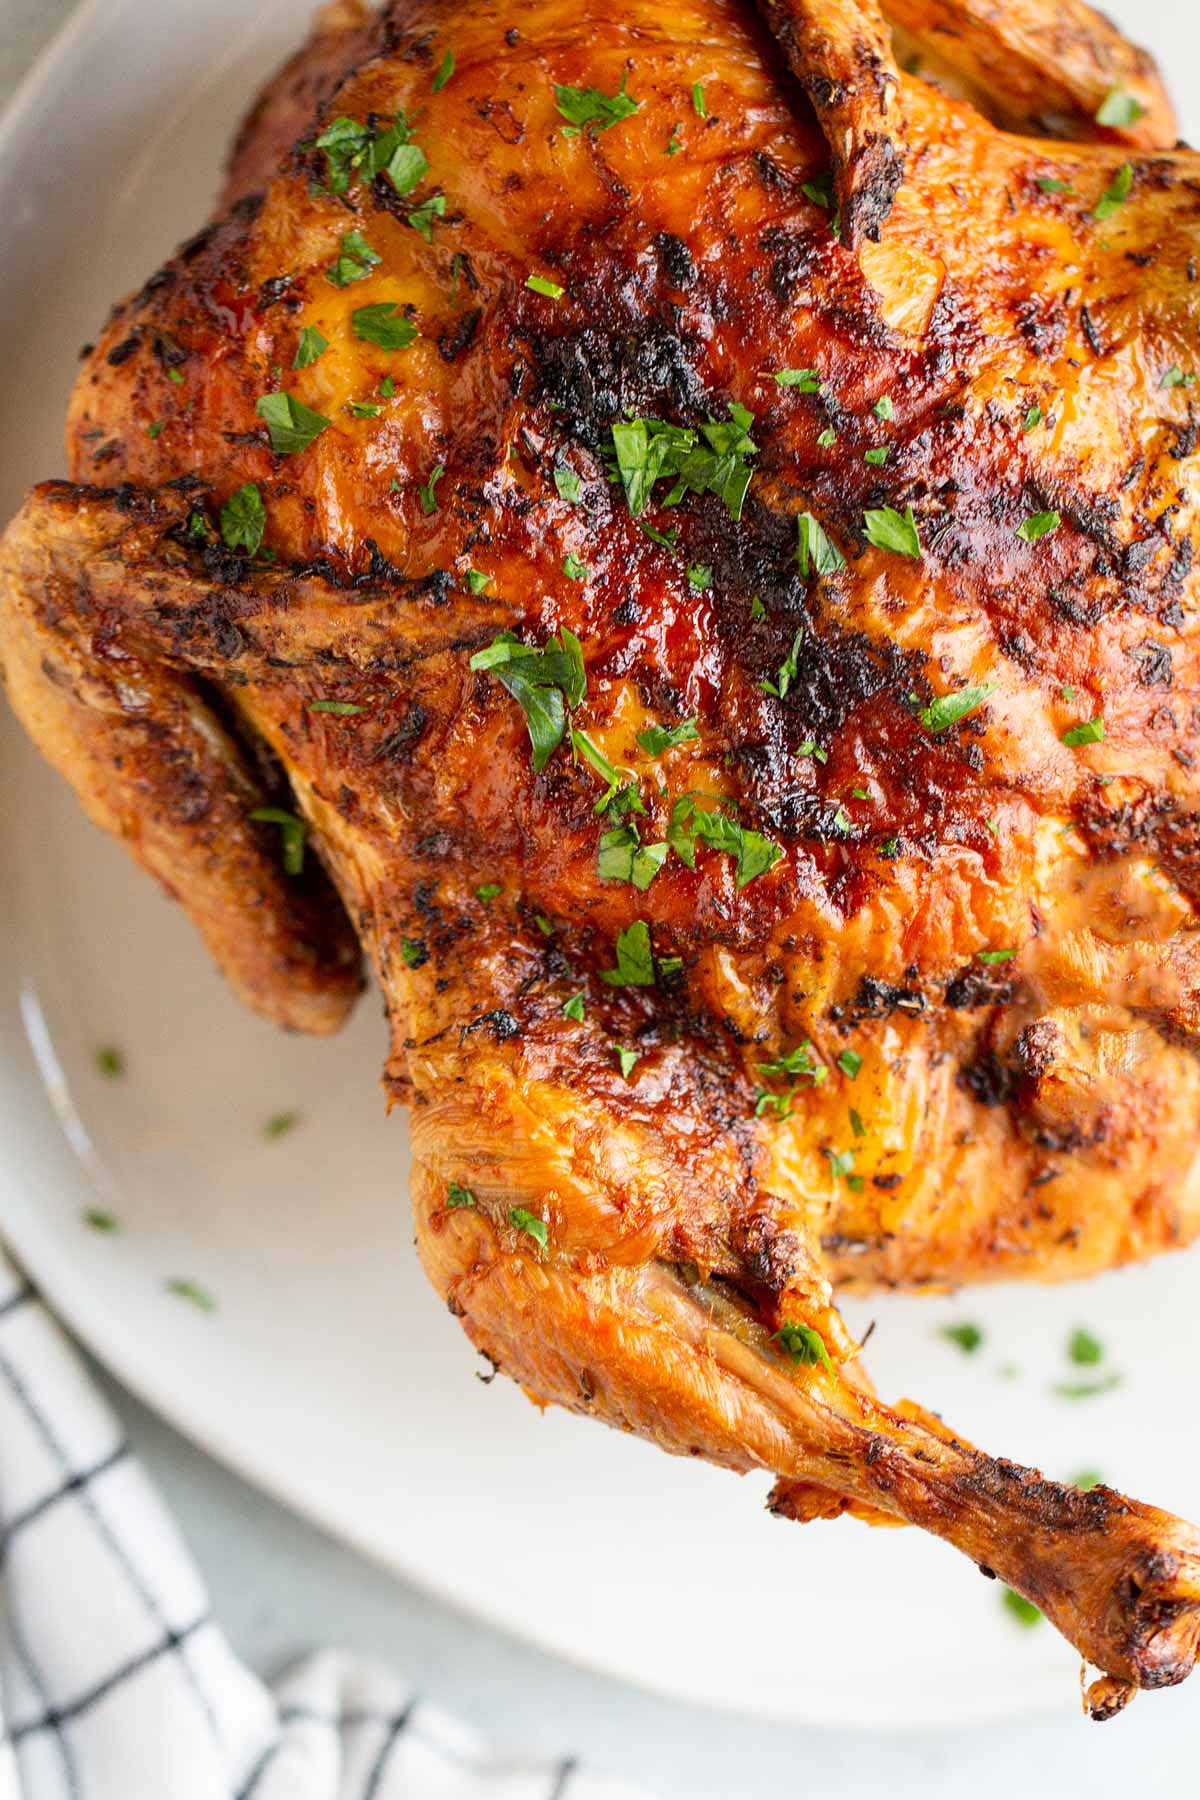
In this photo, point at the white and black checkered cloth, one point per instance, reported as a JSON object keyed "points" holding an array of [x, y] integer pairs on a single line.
{"points": [[115, 1681]]}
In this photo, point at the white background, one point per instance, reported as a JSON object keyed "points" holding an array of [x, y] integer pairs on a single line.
{"points": [[280, 1587]]}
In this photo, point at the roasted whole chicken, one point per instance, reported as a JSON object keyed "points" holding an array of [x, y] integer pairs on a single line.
{"points": [[671, 526]]}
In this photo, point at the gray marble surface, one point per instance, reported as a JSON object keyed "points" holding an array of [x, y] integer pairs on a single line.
{"points": [[282, 1587]]}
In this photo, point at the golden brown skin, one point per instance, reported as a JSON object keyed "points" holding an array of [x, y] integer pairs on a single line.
{"points": [[1032, 1113]]}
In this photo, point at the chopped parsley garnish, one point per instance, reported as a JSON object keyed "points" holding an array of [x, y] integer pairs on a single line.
{"points": [[1038, 525], [1091, 732], [827, 437], [1023, 1610], [292, 832], [850, 1062], [589, 109], [1050, 184], [341, 709], [757, 609], [311, 346], [414, 952], [628, 1060], [542, 285], [1119, 108], [155, 428], [803, 1343], [878, 456], [1032, 419], [623, 857], [674, 146], [949, 709], [787, 670], [477, 581], [100, 1220], [635, 962], [175, 376], [573, 569], [620, 782], [1115, 194], [383, 324], [810, 747], [657, 738], [856, 1124], [363, 409], [1175, 377], [427, 493], [667, 539], [542, 682], [457, 1195], [711, 460], [887, 530], [1084, 1348], [1087, 1390], [754, 853], [573, 1008], [883, 407], [991, 957], [387, 387], [841, 1167], [292, 425], [488, 890], [814, 550], [567, 482], [421, 218], [192, 1291], [280, 1123], [109, 1061], [799, 1064], [807, 380], [699, 105], [445, 70], [967, 1336], [1086, 1480], [699, 576], [352, 150], [355, 260], [530, 1224]]}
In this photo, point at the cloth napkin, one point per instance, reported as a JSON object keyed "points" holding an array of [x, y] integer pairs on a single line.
{"points": [[115, 1681]]}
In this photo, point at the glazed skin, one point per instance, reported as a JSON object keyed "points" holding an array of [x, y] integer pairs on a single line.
{"points": [[992, 928]]}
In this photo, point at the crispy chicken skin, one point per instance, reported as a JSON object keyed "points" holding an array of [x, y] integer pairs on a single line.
{"points": [[924, 1009]]}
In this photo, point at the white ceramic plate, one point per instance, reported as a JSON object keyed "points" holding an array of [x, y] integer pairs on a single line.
{"points": [[328, 1373]]}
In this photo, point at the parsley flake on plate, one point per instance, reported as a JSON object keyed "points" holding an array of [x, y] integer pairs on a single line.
{"points": [[967, 1336], [191, 1291], [457, 1195]]}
